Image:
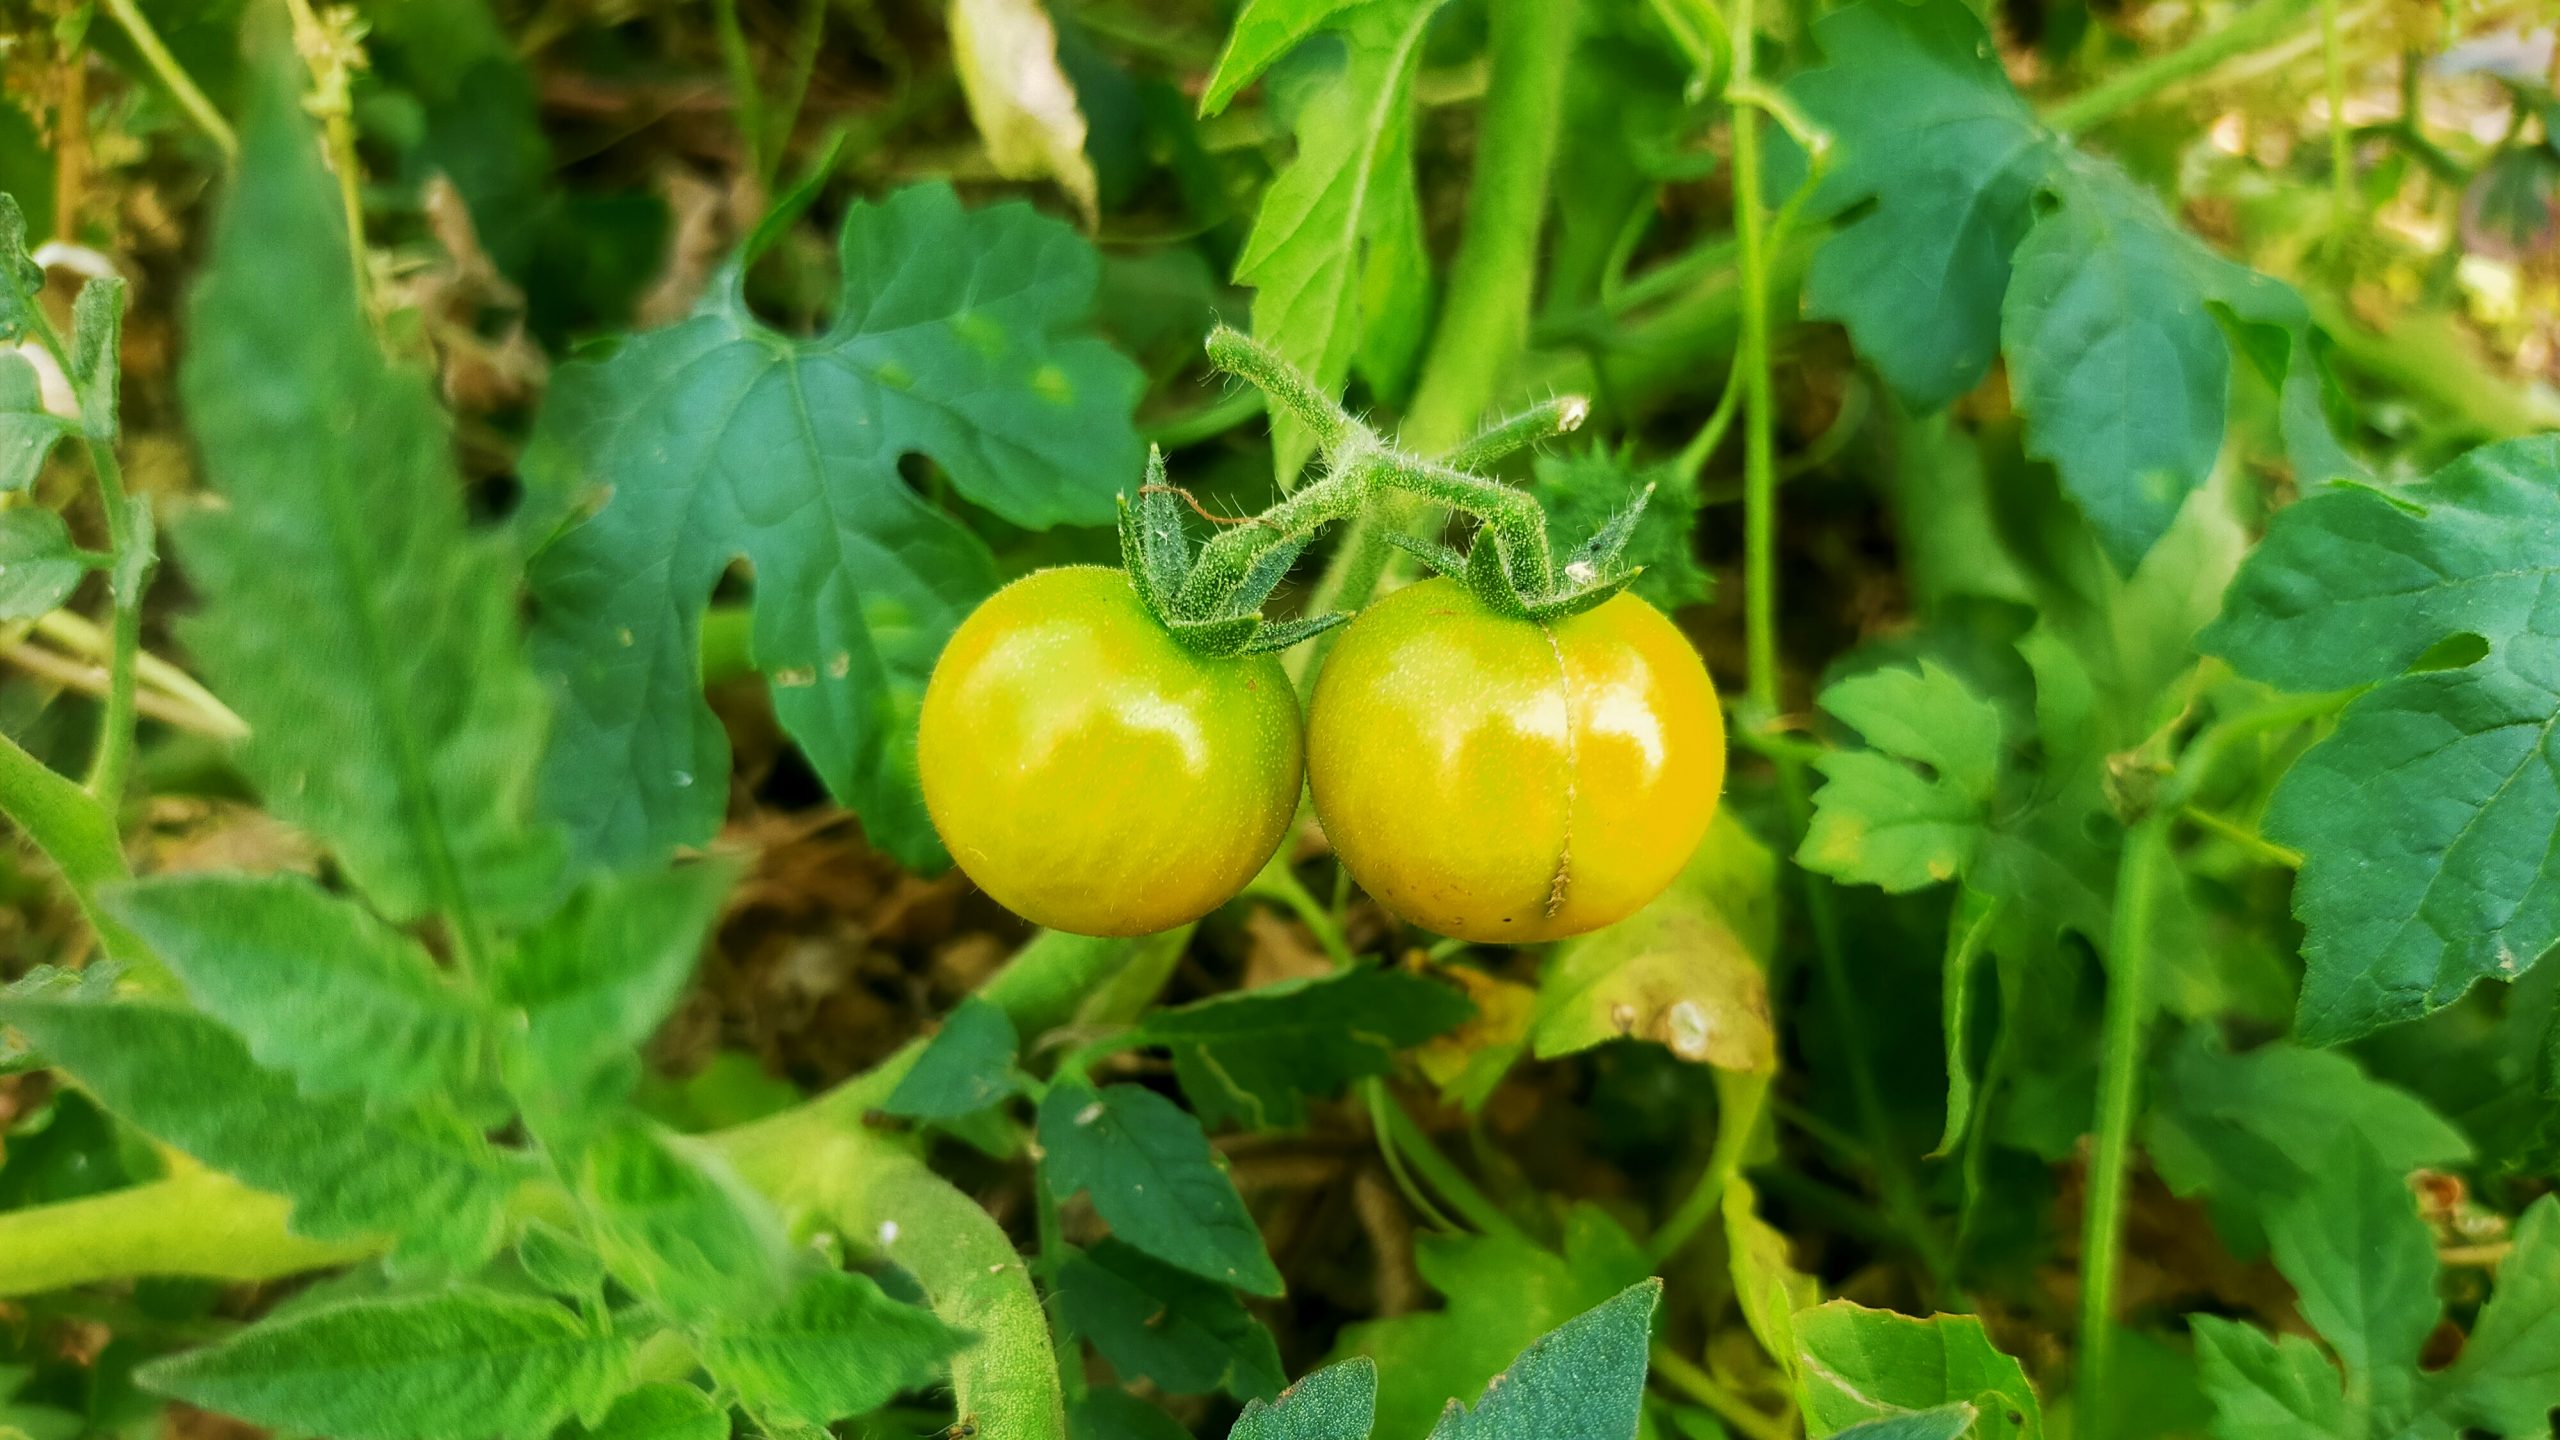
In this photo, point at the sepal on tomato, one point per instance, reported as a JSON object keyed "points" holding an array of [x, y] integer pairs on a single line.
{"points": [[1157, 554], [1514, 585]]}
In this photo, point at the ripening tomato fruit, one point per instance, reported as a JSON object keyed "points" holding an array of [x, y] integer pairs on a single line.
{"points": [[1092, 774], [1495, 779]]}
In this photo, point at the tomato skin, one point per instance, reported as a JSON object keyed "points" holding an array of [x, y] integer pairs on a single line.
{"points": [[1093, 775], [1495, 780]]}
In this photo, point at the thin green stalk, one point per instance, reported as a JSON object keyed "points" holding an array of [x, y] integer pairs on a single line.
{"points": [[2342, 184], [1759, 403], [1206, 423], [1484, 322], [804, 64], [2253, 28], [1745, 1101], [1053, 1256], [743, 91], [2129, 946], [1373, 1091], [75, 832], [113, 758], [1436, 1169], [181, 86], [1676, 1369]]}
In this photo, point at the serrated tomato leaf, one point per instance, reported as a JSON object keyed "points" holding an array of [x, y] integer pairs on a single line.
{"points": [[1154, 1179], [1252, 1057], [2424, 818], [837, 1346], [434, 1367], [959, 335], [425, 1178], [395, 717], [39, 566], [661, 1410], [1582, 1381], [1334, 257], [677, 1226], [320, 989], [1338, 1402], [1910, 811]]}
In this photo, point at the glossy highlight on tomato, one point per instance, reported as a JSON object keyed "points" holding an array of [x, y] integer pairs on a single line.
{"points": [[1093, 775], [1497, 780]]}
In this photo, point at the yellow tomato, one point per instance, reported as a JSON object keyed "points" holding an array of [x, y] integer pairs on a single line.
{"points": [[1495, 779], [1092, 774]]}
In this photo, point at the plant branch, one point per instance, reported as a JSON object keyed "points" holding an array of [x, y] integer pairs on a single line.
{"points": [[2138, 875], [181, 86], [2259, 25]]}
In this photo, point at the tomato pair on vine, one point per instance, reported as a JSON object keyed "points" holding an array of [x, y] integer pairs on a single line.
{"points": [[1488, 778], [1506, 753]]}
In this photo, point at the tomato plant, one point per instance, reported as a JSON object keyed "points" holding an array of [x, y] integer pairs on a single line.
{"points": [[1007, 718], [1503, 781], [1092, 774]]}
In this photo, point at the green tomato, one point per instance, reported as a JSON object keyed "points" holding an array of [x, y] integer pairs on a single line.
{"points": [[1499, 780], [1092, 774]]}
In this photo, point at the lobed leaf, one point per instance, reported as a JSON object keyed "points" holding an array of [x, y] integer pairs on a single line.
{"points": [[39, 566], [2424, 818], [2267, 1388], [1335, 249], [677, 1226], [837, 1347], [960, 336], [434, 1367], [319, 988], [425, 1178], [395, 717], [1880, 818]]}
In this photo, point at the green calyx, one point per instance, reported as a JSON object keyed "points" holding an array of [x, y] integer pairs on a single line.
{"points": [[1211, 598]]}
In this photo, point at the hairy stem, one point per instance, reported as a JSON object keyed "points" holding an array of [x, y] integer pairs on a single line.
{"points": [[193, 1223], [114, 755], [1484, 325]]}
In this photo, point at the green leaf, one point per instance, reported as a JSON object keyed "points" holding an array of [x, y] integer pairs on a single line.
{"points": [[2115, 357], [1154, 1179], [1190, 1336], [2267, 1389], [319, 988], [351, 1170], [394, 716], [966, 1066], [1337, 1402], [97, 341], [2364, 1267], [2508, 1376], [1856, 1365], [2246, 1130], [435, 1367], [960, 336], [39, 566], [1584, 492], [1317, 231], [1767, 1286], [1118, 1415], [1264, 31], [558, 1261], [1503, 1292], [1251, 1057], [595, 979], [1928, 129], [676, 1226], [2422, 818], [1584, 1381], [837, 1347], [662, 1410], [1909, 812], [21, 278], [27, 430], [1685, 971], [1946, 1422]]}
